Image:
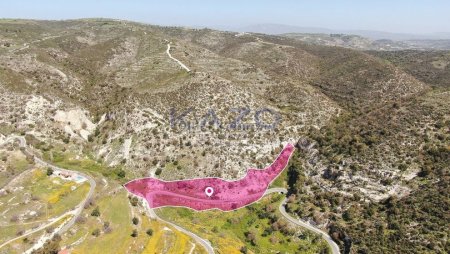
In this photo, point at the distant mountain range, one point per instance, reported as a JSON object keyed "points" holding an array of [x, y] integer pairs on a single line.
{"points": [[375, 35], [364, 43]]}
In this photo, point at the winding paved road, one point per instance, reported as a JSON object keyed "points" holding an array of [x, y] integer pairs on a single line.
{"points": [[52, 221], [333, 246], [23, 144], [207, 245], [78, 209], [203, 242]]}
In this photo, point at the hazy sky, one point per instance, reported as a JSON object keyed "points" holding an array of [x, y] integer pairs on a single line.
{"points": [[413, 16]]}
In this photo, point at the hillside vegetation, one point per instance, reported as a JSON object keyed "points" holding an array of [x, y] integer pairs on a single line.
{"points": [[103, 96]]}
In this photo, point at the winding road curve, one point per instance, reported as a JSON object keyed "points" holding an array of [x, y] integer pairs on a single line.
{"points": [[333, 246], [205, 243], [23, 144], [52, 221], [176, 60], [79, 208]]}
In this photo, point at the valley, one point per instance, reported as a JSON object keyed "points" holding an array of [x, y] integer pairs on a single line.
{"points": [[95, 100]]}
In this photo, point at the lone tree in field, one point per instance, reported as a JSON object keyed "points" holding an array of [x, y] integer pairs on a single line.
{"points": [[134, 201], [96, 232], [96, 212], [49, 171]]}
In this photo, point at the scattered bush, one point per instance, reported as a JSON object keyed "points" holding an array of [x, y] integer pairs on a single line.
{"points": [[96, 212], [134, 201], [96, 232], [49, 171], [121, 173]]}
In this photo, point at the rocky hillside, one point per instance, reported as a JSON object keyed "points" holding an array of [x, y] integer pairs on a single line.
{"points": [[362, 43], [377, 125]]}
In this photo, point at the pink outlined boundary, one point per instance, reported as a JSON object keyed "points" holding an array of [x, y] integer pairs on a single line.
{"points": [[225, 180]]}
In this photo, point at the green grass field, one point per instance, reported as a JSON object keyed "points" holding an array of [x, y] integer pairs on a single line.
{"points": [[24, 243], [229, 231], [40, 198], [116, 210]]}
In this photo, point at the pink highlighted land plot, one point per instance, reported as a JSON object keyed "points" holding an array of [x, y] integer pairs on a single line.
{"points": [[197, 193]]}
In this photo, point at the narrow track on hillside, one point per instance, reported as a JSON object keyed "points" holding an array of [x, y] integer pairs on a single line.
{"points": [[76, 212], [333, 246], [176, 60]]}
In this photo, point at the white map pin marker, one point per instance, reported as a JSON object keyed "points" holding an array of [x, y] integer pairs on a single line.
{"points": [[209, 191]]}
